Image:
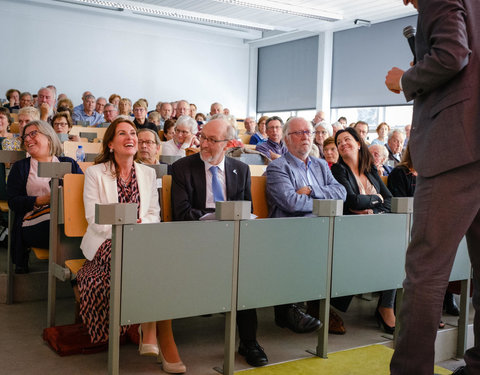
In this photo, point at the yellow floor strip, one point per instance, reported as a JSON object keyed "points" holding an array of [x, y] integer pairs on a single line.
{"points": [[374, 359]]}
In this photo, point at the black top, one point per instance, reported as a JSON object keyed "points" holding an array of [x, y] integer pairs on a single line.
{"points": [[401, 182], [357, 201], [145, 125]]}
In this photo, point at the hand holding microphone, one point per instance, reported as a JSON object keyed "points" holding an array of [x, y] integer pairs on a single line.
{"points": [[392, 80]]}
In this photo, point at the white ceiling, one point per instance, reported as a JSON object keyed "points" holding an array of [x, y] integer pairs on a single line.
{"points": [[266, 23]]}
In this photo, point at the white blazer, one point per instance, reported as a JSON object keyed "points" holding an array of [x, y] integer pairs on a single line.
{"points": [[101, 187]]}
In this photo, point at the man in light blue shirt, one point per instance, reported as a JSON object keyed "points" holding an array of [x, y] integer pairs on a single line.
{"points": [[88, 113]]}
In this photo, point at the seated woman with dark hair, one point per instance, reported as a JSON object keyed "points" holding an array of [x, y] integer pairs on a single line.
{"points": [[116, 178], [366, 194], [29, 195], [260, 135], [168, 130], [330, 151]]}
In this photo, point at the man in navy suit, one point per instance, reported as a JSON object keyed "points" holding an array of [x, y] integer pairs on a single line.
{"points": [[444, 145], [201, 179]]}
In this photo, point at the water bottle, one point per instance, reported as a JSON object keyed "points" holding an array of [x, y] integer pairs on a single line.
{"points": [[80, 154]]}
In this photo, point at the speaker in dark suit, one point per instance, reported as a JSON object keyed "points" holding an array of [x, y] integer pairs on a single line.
{"points": [[444, 145]]}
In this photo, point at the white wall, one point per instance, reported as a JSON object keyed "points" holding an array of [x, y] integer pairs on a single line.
{"points": [[102, 51]]}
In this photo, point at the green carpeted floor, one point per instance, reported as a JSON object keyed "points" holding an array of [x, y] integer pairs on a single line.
{"points": [[374, 359]]}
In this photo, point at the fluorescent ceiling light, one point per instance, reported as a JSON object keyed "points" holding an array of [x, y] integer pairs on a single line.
{"points": [[280, 7], [173, 13]]}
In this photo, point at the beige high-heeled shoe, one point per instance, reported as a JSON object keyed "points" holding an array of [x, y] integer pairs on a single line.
{"points": [[146, 349], [172, 368]]}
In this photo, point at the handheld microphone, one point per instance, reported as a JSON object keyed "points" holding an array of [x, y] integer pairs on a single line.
{"points": [[409, 33]]}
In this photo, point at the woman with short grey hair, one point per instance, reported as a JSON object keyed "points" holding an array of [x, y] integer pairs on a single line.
{"points": [[184, 137]]}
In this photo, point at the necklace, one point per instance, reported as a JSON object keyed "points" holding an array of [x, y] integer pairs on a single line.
{"points": [[125, 181]]}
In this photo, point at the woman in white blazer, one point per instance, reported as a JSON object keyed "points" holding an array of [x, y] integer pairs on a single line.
{"points": [[116, 178]]}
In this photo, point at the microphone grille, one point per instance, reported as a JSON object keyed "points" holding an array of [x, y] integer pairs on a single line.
{"points": [[409, 31]]}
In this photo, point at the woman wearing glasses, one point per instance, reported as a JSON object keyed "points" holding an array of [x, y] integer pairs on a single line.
{"points": [[62, 124], [29, 195], [366, 195], [184, 137]]}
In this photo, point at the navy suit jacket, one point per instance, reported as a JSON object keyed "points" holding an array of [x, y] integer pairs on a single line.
{"points": [[284, 179], [189, 186]]}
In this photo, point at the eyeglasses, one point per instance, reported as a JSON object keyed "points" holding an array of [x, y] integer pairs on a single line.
{"points": [[32, 135], [148, 143], [60, 124], [299, 133], [211, 140]]}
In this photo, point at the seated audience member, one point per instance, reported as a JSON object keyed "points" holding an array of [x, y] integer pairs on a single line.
{"points": [[13, 97], [342, 120], [148, 146], [200, 118], [362, 129], [274, 147], [114, 99], [168, 130], [100, 105], [215, 109], [337, 126], [62, 124], [46, 103], [330, 151], [26, 100], [250, 125], [319, 117], [185, 128], [88, 114], [260, 135], [407, 134], [394, 145], [110, 113], [366, 194], [25, 115], [198, 181], [61, 96], [174, 109], [140, 113], [401, 182], [293, 182], [382, 130], [226, 112], [183, 109], [125, 107], [154, 118], [323, 130], [116, 178], [380, 156], [79, 108], [29, 195], [5, 122], [165, 111], [193, 110], [65, 104]]}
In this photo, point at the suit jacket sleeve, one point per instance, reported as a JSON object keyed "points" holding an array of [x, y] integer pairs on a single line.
{"points": [[183, 199], [355, 200], [442, 46]]}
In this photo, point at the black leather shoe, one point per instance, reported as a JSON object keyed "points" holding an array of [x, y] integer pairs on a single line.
{"points": [[298, 321], [253, 353], [450, 305], [460, 371]]}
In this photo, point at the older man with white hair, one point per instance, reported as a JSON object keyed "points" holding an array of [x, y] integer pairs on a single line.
{"points": [[394, 145], [380, 156], [46, 103], [184, 137]]}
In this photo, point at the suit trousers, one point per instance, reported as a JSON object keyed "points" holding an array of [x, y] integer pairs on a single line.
{"points": [[446, 208], [247, 325]]}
